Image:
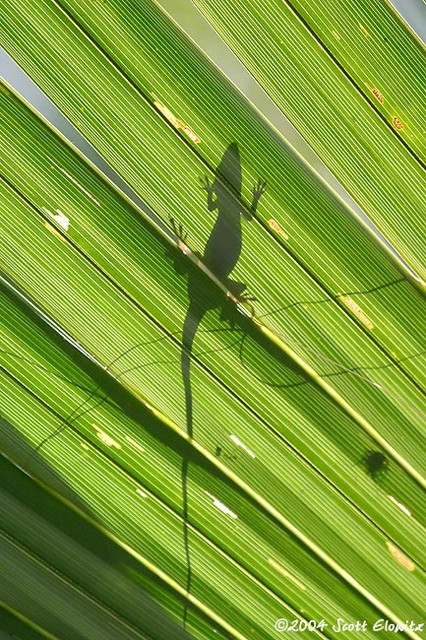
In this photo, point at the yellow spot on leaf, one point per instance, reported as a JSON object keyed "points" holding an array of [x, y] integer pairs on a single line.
{"points": [[178, 124], [276, 227], [134, 444], [287, 574], [397, 123], [106, 439], [54, 231], [357, 311], [402, 559], [378, 95], [375, 92]]}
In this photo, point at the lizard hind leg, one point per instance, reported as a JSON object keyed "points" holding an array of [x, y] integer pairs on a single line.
{"points": [[230, 311], [236, 288]]}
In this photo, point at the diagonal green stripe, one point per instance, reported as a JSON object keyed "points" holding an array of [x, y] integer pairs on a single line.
{"points": [[383, 57], [358, 147], [133, 278]]}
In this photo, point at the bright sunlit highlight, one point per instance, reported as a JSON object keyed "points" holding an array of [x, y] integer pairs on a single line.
{"points": [[222, 507], [238, 442], [285, 573], [401, 506]]}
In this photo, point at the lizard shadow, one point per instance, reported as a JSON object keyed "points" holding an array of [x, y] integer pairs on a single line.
{"points": [[33, 482], [104, 390], [220, 256]]}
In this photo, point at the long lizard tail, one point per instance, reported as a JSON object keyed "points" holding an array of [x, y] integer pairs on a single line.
{"points": [[190, 326]]}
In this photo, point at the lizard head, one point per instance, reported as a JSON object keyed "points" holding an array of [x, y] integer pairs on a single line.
{"points": [[229, 171]]}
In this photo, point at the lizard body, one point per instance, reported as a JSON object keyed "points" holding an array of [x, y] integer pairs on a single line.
{"points": [[221, 254]]}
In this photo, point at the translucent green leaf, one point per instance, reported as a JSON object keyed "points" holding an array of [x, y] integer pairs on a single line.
{"points": [[361, 149]]}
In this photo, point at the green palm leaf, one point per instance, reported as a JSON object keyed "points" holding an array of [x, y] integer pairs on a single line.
{"points": [[60, 268], [203, 478], [382, 56], [315, 317], [91, 466], [116, 240], [360, 149]]}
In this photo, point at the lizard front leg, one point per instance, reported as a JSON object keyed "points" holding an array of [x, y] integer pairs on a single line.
{"points": [[207, 186], [257, 191], [180, 234]]}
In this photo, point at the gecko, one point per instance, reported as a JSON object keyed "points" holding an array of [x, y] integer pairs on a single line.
{"points": [[220, 255]]}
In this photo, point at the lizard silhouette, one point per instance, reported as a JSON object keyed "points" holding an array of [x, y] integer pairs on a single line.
{"points": [[221, 254]]}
